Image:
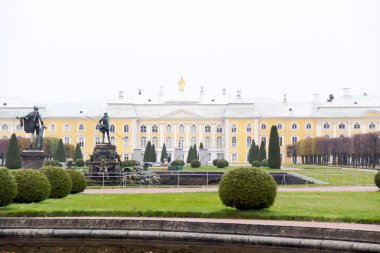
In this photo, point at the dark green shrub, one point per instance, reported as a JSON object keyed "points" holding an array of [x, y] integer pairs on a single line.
{"points": [[221, 164], [256, 164], [178, 163], [8, 187], [59, 180], [274, 156], [377, 179], [79, 163], [195, 164], [226, 162], [52, 163], [78, 153], [247, 188], [60, 153], [70, 164], [32, 186], [87, 162], [78, 180], [13, 160], [128, 163], [215, 161], [264, 163]]}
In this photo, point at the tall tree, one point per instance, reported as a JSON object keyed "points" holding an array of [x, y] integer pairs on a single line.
{"points": [[251, 152], [60, 154], [263, 151], [201, 145], [274, 157], [78, 153], [164, 154], [195, 152], [147, 152], [190, 155], [153, 154], [257, 153], [13, 154]]}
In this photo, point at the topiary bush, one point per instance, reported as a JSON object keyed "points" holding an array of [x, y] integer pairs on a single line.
{"points": [[195, 164], [78, 180], [247, 188], [52, 163], [256, 164], [70, 164], [221, 163], [226, 162], [178, 163], [80, 163], [60, 182], [264, 163], [377, 179], [128, 163], [32, 186], [8, 187], [215, 161]]}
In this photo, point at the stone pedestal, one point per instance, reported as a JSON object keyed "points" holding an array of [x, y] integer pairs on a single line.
{"points": [[203, 156], [32, 159], [105, 157], [137, 155], [178, 154]]}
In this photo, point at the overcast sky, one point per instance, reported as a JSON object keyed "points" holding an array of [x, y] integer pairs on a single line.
{"points": [[70, 51]]}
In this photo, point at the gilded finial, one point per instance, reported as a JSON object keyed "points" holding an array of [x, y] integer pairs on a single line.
{"points": [[181, 84]]}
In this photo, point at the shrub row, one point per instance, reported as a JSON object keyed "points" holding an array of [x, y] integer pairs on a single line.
{"points": [[258, 164], [220, 163]]}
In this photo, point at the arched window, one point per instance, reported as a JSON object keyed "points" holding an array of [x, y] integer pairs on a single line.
{"points": [[372, 126], [66, 140], [193, 141], [280, 141], [154, 128], [356, 126], [294, 126], [342, 126], [207, 129], [193, 129], [126, 128], [263, 126], [180, 142], [4, 127], [249, 141], [208, 142], [233, 141], [126, 141], [112, 139], [181, 129], [279, 126], [52, 128], [326, 125], [219, 142], [168, 142], [81, 141], [249, 128], [233, 128], [97, 139], [168, 128], [308, 126], [294, 140], [112, 128], [219, 129], [155, 141], [66, 127], [264, 139], [81, 127], [143, 142], [143, 129]]}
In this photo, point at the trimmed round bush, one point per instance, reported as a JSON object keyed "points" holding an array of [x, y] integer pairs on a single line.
{"points": [[51, 163], [215, 161], [32, 186], [79, 163], [264, 163], [247, 188], [221, 164], [70, 164], [78, 180], [8, 187], [195, 164], [226, 162], [377, 179], [128, 163], [256, 164], [178, 163], [60, 182]]}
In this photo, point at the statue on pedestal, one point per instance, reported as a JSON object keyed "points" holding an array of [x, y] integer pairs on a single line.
{"points": [[31, 123], [104, 126]]}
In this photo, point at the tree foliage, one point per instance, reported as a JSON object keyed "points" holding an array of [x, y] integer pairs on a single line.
{"points": [[13, 160], [60, 153], [263, 152], [274, 156], [147, 152], [78, 153], [164, 154]]}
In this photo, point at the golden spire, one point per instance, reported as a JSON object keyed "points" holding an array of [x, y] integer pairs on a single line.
{"points": [[181, 84]]}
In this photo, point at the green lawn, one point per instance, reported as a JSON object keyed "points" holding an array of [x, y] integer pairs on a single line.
{"points": [[362, 207]]}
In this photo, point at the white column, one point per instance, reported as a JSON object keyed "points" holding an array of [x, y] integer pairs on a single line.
{"points": [[200, 134], [187, 135], [148, 130], [364, 127], [162, 134], [226, 139], [175, 144], [319, 129], [134, 136], [349, 125], [334, 128], [256, 130]]}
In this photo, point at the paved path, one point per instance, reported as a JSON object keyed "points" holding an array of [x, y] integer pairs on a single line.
{"points": [[215, 189]]}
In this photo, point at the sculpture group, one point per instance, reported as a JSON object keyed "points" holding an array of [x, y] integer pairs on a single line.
{"points": [[31, 123]]}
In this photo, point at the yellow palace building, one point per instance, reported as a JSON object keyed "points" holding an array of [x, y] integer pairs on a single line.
{"points": [[226, 125]]}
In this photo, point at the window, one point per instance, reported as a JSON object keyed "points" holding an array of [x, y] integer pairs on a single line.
{"points": [[168, 142], [168, 128], [193, 141], [207, 129], [308, 126], [356, 126], [208, 142], [81, 141], [66, 140], [249, 141], [112, 128], [52, 128], [326, 125], [219, 129], [81, 127], [263, 126], [294, 140], [234, 157], [193, 129], [219, 142], [112, 139], [97, 126], [143, 142], [66, 127], [126, 156], [294, 126], [126, 141], [220, 155], [280, 141], [154, 128], [181, 129], [279, 126], [126, 128], [342, 126], [97, 140], [233, 128], [180, 142], [4, 127], [264, 139], [372, 126], [143, 129], [155, 141], [249, 128], [233, 141]]}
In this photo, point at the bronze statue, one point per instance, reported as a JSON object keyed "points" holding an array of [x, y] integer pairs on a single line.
{"points": [[31, 124], [104, 126]]}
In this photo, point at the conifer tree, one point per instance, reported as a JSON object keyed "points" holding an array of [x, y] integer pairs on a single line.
{"points": [[190, 155], [257, 152], [201, 145], [13, 160], [147, 152], [78, 153], [164, 154], [60, 154], [153, 154], [274, 157], [263, 151], [195, 153], [251, 152]]}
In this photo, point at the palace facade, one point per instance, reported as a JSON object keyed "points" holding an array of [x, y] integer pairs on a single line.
{"points": [[226, 125]]}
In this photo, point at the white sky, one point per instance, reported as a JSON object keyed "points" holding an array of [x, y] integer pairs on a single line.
{"points": [[64, 51]]}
